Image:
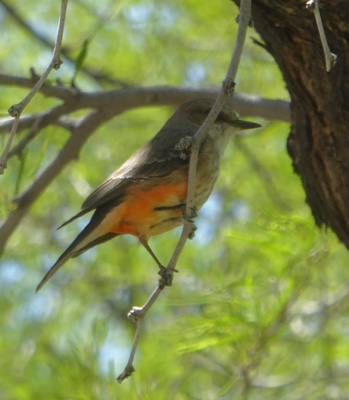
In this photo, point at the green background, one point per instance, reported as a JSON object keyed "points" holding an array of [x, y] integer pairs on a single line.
{"points": [[259, 309]]}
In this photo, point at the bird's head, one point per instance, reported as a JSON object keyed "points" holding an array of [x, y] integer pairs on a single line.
{"points": [[198, 109]]}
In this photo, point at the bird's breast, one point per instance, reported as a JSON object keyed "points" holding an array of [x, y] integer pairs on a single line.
{"points": [[210, 155]]}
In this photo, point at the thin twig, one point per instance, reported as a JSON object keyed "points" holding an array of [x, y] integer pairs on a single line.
{"points": [[55, 63], [137, 314], [98, 76], [4, 155], [34, 130], [330, 58], [69, 152], [60, 92], [226, 91], [17, 109], [39, 121]]}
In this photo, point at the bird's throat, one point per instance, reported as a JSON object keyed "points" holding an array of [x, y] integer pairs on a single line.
{"points": [[219, 137]]}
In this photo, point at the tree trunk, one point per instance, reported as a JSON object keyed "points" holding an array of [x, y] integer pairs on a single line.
{"points": [[319, 139]]}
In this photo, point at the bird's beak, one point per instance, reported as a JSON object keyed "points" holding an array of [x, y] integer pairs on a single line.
{"points": [[243, 124]]}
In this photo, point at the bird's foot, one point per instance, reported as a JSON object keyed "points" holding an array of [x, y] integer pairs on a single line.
{"points": [[166, 276], [191, 215], [184, 147], [191, 234]]}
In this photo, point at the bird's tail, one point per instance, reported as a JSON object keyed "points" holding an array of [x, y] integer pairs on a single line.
{"points": [[88, 238], [58, 264]]}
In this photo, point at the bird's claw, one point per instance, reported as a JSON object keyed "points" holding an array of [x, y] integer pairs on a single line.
{"points": [[184, 147], [191, 234], [166, 276], [191, 215]]}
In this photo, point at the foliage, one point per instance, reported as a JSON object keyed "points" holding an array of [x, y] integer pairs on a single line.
{"points": [[259, 308]]}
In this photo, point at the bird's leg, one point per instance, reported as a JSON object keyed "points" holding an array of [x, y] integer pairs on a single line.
{"points": [[166, 274], [144, 243]]}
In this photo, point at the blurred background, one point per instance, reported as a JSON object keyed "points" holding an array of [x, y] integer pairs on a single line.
{"points": [[259, 309]]}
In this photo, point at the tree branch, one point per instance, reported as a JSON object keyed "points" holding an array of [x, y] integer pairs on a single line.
{"points": [[128, 98], [69, 152], [65, 51], [17, 109], [36, 123], [55, 63], [68, 124], [138, 314], [60, 92]]}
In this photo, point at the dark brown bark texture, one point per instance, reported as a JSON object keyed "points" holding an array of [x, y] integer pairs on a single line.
{"points": [[319, 139]]}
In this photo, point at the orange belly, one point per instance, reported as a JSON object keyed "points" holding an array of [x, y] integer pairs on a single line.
{"points": [[136, 215]]}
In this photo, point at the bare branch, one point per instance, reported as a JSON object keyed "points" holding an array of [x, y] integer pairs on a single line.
{"points": [[24, 123], [64, 51], [34, 130], [137, 315], [36, 123], [125, 99], [55, 63], [4, 155], [59, 92], [16, 110], [227, 89], [69, 152], [330, 58], [68, 124]]}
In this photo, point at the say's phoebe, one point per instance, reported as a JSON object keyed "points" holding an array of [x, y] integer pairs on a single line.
{"points": [[146, 196]]}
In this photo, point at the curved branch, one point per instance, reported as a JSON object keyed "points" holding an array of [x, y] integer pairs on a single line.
{"points": [[125, 99], [69, 152], [67, 124], [55, 63], [16, 110], [59, 92], [46, 118]]}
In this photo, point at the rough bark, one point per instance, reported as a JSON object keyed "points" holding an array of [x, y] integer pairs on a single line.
{"points": [[319, 139]]}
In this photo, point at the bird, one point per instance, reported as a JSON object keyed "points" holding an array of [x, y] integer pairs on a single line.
{"points": [[146, 196]]}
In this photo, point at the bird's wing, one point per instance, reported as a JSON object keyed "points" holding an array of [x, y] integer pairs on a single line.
{"points": [[147, 163], [157, 158]]}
